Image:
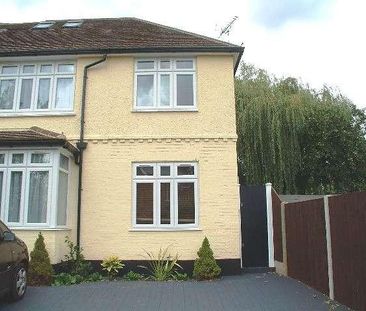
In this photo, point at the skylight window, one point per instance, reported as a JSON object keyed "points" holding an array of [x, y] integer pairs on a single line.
{"points": [[43, 25], [72, 24]]}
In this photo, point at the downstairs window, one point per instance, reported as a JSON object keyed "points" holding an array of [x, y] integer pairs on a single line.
{"points": [[165, 195], [33, 188]]}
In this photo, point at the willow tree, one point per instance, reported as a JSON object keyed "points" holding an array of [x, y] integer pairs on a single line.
{"points": [[300, 139], [269, 119]]}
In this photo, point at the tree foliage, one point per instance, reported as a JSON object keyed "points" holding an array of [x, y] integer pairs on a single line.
{"points": [[300, 139]]}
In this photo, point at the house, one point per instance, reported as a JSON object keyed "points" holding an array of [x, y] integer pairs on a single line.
{"points": [[119, 133]]}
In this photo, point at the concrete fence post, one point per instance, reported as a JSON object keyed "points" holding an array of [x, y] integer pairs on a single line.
{"points": [[329, 247], [271, 263]]}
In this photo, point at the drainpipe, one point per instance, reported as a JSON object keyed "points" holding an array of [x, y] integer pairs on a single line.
{"points": [[82, 144]]}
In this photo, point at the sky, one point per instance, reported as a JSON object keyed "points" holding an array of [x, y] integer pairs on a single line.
{"points": [[318, 41]]}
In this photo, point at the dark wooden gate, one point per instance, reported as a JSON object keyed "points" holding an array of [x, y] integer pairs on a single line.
{"points": [[254, 226]]}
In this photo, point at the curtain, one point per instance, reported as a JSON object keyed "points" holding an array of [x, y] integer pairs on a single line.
{"points": [[15, 196], [62, 199], [38, 197]]}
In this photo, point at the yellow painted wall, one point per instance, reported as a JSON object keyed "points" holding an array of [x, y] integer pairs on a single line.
{"points": [[106, 222], [117, 136]]}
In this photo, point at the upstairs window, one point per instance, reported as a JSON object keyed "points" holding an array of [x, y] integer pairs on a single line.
{"points": [[165, 84], [39, 87]]}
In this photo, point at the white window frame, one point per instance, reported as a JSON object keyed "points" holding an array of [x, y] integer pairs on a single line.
{"points": [[36, 76], [156, 180], [53, 167], [172, 72]]}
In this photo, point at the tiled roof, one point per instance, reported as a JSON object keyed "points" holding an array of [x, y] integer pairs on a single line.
{"points": [[34, 136], [114, 35]]}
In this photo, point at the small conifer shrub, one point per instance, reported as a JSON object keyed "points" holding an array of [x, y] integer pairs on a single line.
{"points": [[205, 266], [40, 268]]}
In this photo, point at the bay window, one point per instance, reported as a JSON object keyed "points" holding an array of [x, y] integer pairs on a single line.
{"points": [[37, 88], [165, 84], [27, 180], [165, 195]]}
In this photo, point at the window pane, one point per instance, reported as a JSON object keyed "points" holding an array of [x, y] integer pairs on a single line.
{"points": [[185, 170], [46, 68], [15, 196], [2, 158], [62, 198], [17, 158], [145, 90], [165, 171], [145, 64], [7, 89], [165, 203], [184, 64], [144, 171], [144, 203], [9, 70], [164, 90], [186, 205], [38, 197], [43, 93], [64, 93], [40, 158], [184, 90], [66, 68], [26, 94], [64, 162], [165, 64], [28, 68], [1, 188]]}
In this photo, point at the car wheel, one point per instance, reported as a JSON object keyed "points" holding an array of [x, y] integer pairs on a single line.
{"points": [[18, 283]]}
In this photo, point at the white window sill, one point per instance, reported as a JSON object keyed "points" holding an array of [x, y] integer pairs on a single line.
{"points": [[36, 114], [163, 229], [39, 229], [166, 110]]}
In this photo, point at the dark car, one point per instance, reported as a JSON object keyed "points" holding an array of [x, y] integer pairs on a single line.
{"points": [[14, 261]]}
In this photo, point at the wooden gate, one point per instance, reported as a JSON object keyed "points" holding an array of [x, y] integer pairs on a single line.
{"points": [[254, 226]]}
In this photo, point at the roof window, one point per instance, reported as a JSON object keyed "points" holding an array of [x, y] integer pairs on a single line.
{"points": [[44, 25], [72, 24]]}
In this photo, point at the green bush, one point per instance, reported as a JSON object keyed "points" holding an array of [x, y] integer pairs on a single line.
{"points": [[112, 265], [40, 268], [180, 276], [71, 279], [205, 266], [133, 276], [78, 269], [163, 266], [75, 262]]}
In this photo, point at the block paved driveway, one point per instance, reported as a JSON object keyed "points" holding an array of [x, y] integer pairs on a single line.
{"points": [[265, 291]]}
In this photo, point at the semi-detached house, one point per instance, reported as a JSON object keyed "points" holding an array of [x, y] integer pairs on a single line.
{"points": [[119, 133]]}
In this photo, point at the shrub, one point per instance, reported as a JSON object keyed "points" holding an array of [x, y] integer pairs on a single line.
{"points": [[133, 276], [75, 260], [70, 279], [163, 266], [40, 269], [205, 266], [180, 276], [112, 265]]}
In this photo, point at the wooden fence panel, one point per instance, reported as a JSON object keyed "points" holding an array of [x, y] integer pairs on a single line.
{"points": [[348, 234], [306, 243], [277, 227]]}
